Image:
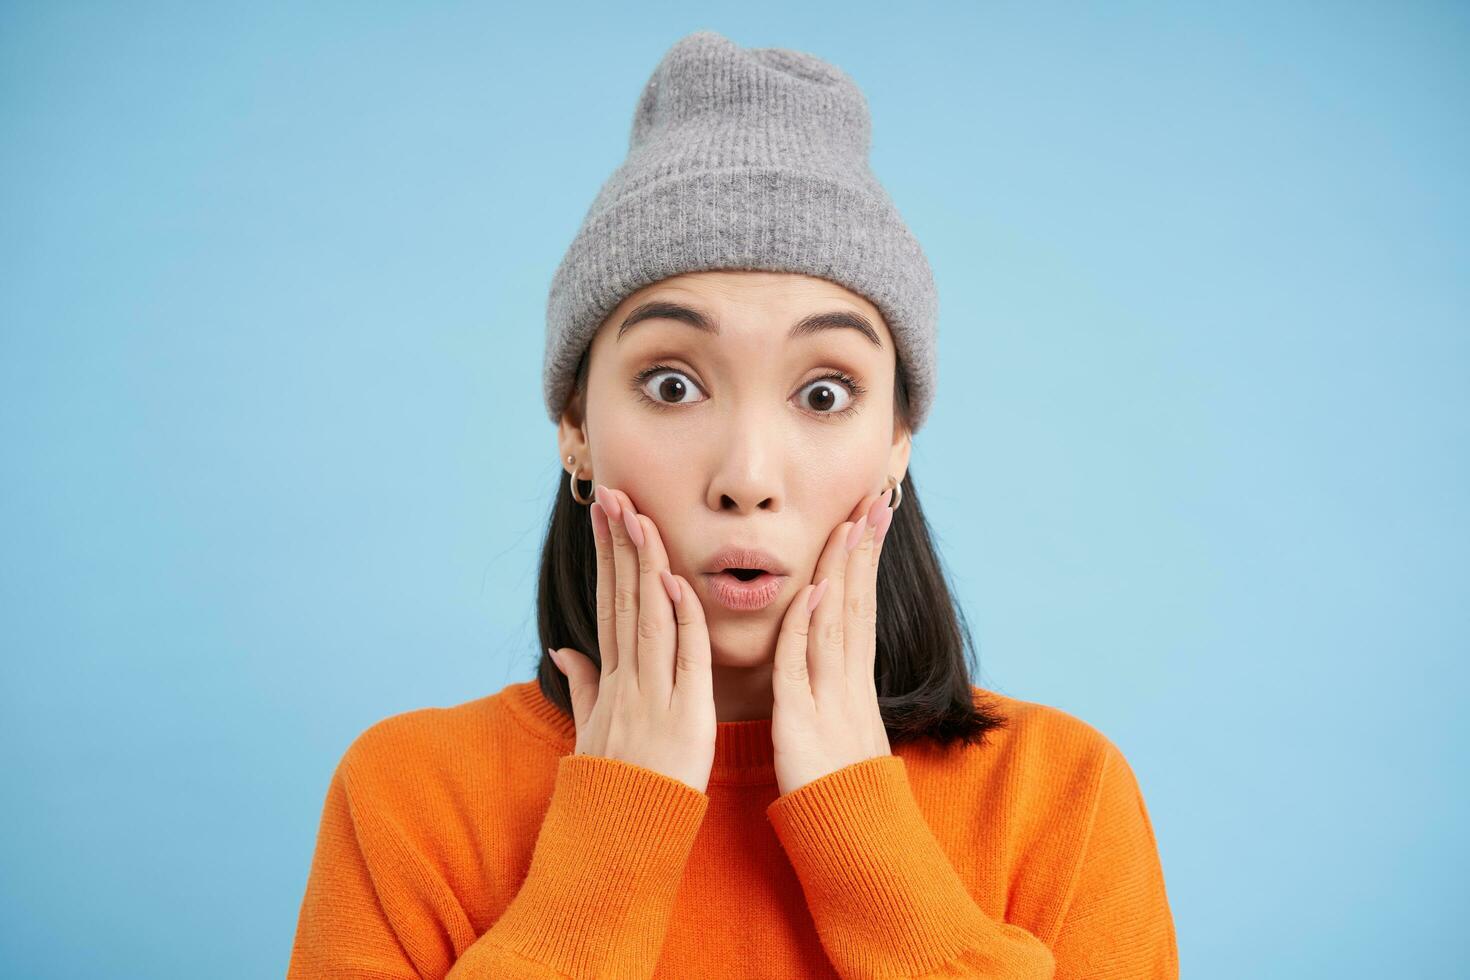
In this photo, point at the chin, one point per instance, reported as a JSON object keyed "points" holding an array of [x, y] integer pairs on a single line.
{"points": [[751, 646]]}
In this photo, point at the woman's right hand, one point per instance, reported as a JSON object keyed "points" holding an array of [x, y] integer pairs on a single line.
{"points": [[652, 702]]}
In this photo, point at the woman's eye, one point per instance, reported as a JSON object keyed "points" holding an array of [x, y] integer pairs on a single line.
{"points": [[832, 394], [668, 387], [825, 397]]}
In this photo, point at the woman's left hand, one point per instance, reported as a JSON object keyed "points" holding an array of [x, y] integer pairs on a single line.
{"points": [[826, 714]]}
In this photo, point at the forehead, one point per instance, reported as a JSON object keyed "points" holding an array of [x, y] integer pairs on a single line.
{"points": [[750, 301]]}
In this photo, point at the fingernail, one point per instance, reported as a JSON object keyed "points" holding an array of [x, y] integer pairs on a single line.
{"points": [[552, 654], [884, 520], [856, 532], [635, 529], [816, 599], [609, 503], [878, 507], [671, 584]]}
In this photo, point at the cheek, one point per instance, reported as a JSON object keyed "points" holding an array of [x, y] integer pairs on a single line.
{"points": [[629, 456], [828, 499], [657, 479], [655, 476], [833, 482]]}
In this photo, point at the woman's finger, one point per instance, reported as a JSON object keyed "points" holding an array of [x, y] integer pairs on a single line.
{"points": [[607, 622], [860, 610], [583, 683], [824, 645], [792, 684], [625, 579], [693, 680], [656, 629]]}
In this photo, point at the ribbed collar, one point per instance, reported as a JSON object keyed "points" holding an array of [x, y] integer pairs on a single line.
{"points": [[744, 753]]}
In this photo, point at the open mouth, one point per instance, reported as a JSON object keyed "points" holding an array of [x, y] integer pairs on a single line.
{"points": [[746, 589]]}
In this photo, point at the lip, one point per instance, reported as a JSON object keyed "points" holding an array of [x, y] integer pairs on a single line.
{"points": [[735, 556], [740, 596]]}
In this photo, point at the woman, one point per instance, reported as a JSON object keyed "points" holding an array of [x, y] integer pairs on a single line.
{"points": [[753, 748]]}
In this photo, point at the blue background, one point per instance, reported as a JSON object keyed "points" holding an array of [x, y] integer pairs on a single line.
{"points": [[275, 464]]}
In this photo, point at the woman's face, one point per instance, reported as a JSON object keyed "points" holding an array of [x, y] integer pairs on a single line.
{"points": [[741, 434]]}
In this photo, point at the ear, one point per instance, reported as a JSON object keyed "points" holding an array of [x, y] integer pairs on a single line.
{"points": [[898, 456], [571, 437]]}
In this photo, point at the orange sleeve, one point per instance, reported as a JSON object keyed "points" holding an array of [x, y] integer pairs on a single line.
{"points": [[595, 901], [882, 893], [1118, 925], [342, 929], [603, 879]]}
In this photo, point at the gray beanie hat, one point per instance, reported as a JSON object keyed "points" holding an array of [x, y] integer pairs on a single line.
{"points": [[744, 158]]}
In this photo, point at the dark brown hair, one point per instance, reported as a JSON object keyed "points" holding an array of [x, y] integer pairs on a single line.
{"points": [[921, 666]]}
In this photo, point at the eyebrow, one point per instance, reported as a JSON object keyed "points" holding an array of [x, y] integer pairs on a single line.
{"points": [[805, 327]]}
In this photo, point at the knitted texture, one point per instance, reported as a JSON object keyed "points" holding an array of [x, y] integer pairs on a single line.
{"points": [[471, 842], [744, 158]]}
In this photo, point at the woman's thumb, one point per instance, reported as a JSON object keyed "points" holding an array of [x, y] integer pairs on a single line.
{"points": [[582, 678]]}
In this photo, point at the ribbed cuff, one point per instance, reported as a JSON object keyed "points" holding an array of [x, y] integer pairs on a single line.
{"points": [[610, 855], [883, 895]]}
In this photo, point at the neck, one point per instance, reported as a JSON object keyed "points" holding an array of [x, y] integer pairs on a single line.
{"points": [[742, 693], [744, 753]]}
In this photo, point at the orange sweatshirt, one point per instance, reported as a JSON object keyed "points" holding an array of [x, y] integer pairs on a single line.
{"points": [[469, 843]]}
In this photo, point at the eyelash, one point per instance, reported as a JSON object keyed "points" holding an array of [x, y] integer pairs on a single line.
{"points": [[847, 380]]}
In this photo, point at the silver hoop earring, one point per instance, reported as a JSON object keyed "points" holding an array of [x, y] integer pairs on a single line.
{"points": [[571, 461], [897, 494]]}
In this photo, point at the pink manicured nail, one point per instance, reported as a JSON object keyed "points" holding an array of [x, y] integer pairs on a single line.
{"points": [[608, 501], [816, 599], [635, 529], [884, 520], [874, 511], [856, 532], [670, 584]]}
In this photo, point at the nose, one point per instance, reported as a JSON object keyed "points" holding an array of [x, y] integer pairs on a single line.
{"points": [[749, 467]]}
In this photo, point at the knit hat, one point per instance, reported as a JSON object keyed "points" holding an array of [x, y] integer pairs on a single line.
{"points": [[744, 158]]}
